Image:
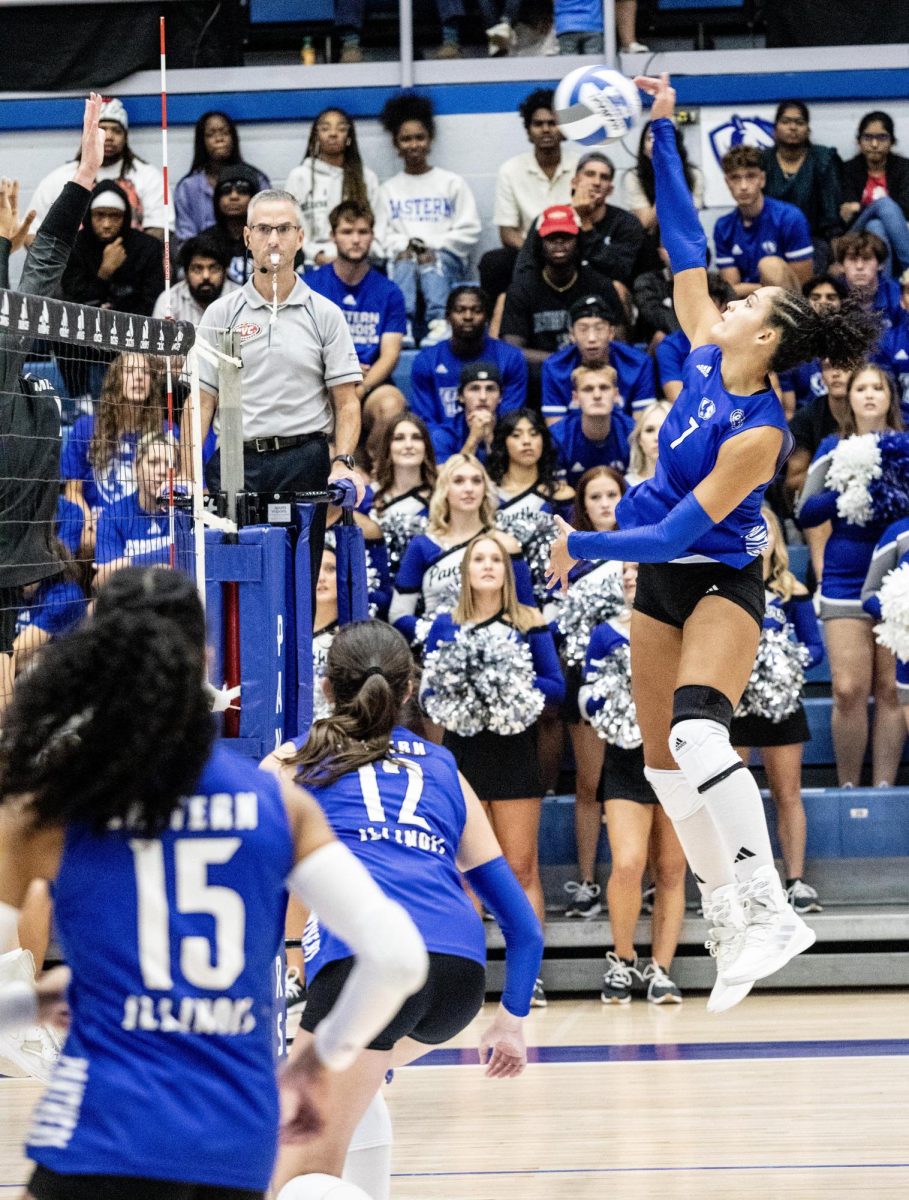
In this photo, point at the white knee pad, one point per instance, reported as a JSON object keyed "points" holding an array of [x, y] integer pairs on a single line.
{"points": [[368, 1161], [320, 1187], [677, 797], [703, 751], [374, 1128]]}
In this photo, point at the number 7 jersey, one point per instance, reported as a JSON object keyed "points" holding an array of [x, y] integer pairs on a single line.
{"points": [[403, 817], [168, 1070]]}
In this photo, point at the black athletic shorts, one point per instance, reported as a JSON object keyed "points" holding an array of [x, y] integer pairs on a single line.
{"points": [[449, 1000], [670, 592], [49, 1185]]}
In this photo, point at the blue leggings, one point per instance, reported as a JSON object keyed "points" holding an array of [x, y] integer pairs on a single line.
{"points": [[885, 218]]}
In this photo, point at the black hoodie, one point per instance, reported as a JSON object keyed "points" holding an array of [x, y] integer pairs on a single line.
{"points": [[135, 285]]}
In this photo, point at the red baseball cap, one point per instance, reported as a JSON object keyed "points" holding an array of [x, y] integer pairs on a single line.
{"points": [[558, 219]]}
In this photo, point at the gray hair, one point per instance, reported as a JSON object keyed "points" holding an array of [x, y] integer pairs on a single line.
{"points": [[274, 195]]}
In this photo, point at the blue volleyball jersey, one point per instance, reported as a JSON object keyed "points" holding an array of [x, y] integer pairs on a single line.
{"points": [[168, 1070], [577, 453], [371, 307], [671, 354], [403, 818], [634, 368], [436, 375], [703, 418], [780, 230]]}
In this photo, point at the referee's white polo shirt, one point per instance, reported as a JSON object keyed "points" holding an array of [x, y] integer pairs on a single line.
{"points": [[288, 367]]}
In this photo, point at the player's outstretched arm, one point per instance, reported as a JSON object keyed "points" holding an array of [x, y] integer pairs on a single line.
{"points": [[680, 226], [502, 1049]]}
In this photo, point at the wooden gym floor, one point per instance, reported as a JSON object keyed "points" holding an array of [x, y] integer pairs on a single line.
{"points": [[789, 1095]]}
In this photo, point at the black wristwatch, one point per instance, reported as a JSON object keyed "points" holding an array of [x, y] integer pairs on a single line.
{"points": [[346, 459]]}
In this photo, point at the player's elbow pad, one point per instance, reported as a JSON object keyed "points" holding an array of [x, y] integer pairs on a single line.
{"points": [[495, 884]]}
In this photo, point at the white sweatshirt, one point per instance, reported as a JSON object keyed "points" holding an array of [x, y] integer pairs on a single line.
{"points": [[437, 207], [318, 187]]}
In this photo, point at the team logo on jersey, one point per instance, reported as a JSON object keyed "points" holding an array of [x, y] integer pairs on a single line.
{"points": [[706, 409], [768, 247], [248, 329], [756, 540], [703, 368], [737, 418]]}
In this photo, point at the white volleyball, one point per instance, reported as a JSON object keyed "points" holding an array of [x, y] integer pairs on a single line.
{"points": [[596, 105]]}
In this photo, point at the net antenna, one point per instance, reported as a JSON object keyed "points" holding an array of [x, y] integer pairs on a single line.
{"points": [[168, 311]]}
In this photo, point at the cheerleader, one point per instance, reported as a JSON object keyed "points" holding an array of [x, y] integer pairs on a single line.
{"points": [[599, 491], [638, 828], [522, 464], [697, 532], [780, 742], [858, 667], [405, 475], [462, 505], [891, 552], [643, 442], [503, 769]]}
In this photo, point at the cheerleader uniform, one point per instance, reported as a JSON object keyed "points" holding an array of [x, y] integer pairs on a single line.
{"points": [[532, 500], [430, 577], [623, 769], [752, 730], [890, 552], [503, 766], [606, 569], [413, 505], [848, 552]]}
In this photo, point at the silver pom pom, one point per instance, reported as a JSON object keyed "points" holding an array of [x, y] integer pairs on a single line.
{"points": [[589, 601], [481, 681], [536, 531], [776, 682], [610, 681], [398, 529]]}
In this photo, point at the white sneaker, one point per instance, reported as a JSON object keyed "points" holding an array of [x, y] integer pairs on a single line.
{"points": [[635, 48], [501, 38], [774, 933], [550, 45], [726, 915], [439, 331], [33, 1050]]}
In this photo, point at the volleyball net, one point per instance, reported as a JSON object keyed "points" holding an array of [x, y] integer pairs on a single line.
{"points": [[100, 443]]}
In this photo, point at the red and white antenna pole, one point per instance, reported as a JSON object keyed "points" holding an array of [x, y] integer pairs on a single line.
{"points": [[168, 312]]}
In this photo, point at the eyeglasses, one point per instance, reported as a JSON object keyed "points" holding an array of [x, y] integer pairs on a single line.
{"points": [[241, 186], [874, 137], [283, 230]]}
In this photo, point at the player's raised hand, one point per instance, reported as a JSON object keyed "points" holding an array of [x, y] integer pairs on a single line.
{"points": [[92, 152], [502, 1047], [560, 561], [662, 91]]}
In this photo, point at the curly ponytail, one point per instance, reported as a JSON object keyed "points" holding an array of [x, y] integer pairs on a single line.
{"points": [[113, 722], [370, 670], [845, 337]]}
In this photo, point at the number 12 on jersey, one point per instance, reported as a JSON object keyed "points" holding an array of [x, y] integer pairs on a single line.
{"points": [[372, 798]]}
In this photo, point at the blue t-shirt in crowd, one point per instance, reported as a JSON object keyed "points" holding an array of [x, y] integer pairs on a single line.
{"points": [[634, 367], [117, 481], [57, 605], [371, 307], [127, 531], [578, 453], [670, 356], [893, 355], [806, 381], [437, 372], [779, 230]]}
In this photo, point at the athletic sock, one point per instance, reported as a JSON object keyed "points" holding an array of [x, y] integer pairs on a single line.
{"points": [[738, 813], [705, 849]]}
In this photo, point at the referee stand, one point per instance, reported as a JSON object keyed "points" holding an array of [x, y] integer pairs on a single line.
{"points": [[258, 584]]}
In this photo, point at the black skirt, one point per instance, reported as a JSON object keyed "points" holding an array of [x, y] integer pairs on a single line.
{"points": [[623, 776], [498, 766], [759, 731], [569, 710]]}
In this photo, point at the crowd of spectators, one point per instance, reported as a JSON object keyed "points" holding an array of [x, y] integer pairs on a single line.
{"points": [[543, 388]]}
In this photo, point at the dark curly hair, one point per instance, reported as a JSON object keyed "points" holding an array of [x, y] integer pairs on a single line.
{"points": [[498, 461], [845, 337], [407, 106], [539, 98], [114, 722], [370, 669]]}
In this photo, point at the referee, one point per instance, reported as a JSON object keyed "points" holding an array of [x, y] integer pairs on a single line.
{"points": [[301, 414]]}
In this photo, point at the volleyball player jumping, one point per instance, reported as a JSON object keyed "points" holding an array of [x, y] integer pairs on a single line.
{"points": [[697, 531], [170, 858]]}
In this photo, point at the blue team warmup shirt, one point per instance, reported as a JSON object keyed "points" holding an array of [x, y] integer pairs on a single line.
{"points": [[56, 606], [578, 453], [893, 354], [703, 417], [168, 1070], [779, 230], [403, 817], [637, 382], [371, 307], [127, 531], [437, 372]]}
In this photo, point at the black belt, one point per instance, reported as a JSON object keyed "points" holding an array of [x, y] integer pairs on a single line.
{"points": [[267, 445]]}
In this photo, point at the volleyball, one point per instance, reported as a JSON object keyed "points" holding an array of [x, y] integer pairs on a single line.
{"points": [[320, 1187], [596, 105]]}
